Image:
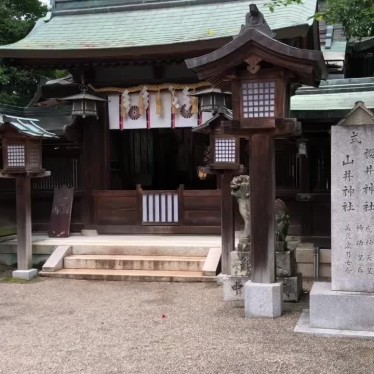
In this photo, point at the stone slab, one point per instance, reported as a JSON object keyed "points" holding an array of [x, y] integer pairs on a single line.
{"points": [[303, 326], [292, 287], [212, 261], [307, 255], [352, 208], [307, 270], [56, 260], [25, 274], [340, 310], [233, 287], [263, 299], [89, 232], [285, 263]]}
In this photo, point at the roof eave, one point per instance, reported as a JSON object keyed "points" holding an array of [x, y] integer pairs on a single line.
{"points": [[182, 49], [253, 40]]}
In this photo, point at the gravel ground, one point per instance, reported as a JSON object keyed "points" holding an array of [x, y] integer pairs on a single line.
{"points": [[72, 326]]}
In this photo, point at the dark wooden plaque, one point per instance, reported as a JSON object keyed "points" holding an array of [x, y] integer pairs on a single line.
{"points": [[61, 212]]}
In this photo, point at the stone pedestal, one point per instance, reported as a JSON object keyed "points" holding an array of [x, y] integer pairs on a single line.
{"points": [[233, 287], [340, 310], [263, 299], [25, 274], [285, 263], [285, 269], [292, 287]]}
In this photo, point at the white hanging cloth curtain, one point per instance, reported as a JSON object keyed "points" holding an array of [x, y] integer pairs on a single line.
{"points": [[165, 108]]}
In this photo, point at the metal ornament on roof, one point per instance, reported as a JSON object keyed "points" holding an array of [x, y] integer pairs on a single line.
{"points": [[84, 103]]}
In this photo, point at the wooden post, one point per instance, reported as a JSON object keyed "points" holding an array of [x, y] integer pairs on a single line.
{"points": [[24, 238], [262, 208], [227, 221], [304, 189]]}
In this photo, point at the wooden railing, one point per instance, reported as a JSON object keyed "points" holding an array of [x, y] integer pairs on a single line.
{"points": [[163, 211], [160, 207]]}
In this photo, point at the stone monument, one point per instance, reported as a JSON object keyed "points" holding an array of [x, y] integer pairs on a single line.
{"points": [[345, 306]]}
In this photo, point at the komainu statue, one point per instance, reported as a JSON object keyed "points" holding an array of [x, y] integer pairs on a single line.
{"points": [[282, 223], [241, 190]]}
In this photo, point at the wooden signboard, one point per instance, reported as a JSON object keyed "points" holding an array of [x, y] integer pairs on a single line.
{"points": [[61, 212]]}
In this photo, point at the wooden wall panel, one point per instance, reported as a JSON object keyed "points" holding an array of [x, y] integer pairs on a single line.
{"points": [[201, 217], [116, 217], [115, 207]]}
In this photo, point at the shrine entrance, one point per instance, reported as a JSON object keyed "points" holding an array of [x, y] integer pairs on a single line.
{"points": [[155, 187], [157, 159]]}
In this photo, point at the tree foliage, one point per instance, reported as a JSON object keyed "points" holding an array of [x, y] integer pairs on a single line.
{"points": [[18, 17], [355, 16]]}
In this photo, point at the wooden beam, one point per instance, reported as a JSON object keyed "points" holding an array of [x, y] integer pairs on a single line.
{"points": [[262, 208]]}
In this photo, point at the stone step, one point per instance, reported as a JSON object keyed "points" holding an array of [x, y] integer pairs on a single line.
{"points": [[159, 249], [130, 275], [132, 262]]}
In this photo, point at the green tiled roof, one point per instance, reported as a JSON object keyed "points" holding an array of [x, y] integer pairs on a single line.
{"points": [[111, 28], [334, 95], [26, 126]]}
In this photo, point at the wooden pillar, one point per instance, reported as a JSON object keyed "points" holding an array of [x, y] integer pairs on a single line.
{"points": [[94, 170], [304, 189], [24, 235], [227, 221], [262, 208]]}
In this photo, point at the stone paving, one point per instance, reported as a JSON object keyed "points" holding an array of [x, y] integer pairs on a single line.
{"points": [[71, 326]]}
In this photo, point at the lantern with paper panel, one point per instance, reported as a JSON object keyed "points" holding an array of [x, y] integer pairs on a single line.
{"points": [[22, 145]]}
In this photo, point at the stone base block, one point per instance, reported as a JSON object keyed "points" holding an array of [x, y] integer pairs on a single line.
{"points": [[263, 299], [303, 326], [25, 274], [292, 287], [219, 279], [89, 232], [285, 263], [240, 263], [341, 310], [233, 287]]}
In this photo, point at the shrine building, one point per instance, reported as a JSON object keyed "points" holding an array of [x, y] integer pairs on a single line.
{"points": [[136, 167]]}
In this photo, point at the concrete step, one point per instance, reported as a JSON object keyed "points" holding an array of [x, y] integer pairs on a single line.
{"points": [[133, 262], [143, 249], [130, 275]]}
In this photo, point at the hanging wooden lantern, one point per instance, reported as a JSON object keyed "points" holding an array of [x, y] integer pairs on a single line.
{"points": [[212, 99], [22, 145], [84, 104], [225, 151]]}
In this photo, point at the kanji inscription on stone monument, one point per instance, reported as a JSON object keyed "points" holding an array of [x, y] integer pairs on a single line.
{"points": [[352, 191]]}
